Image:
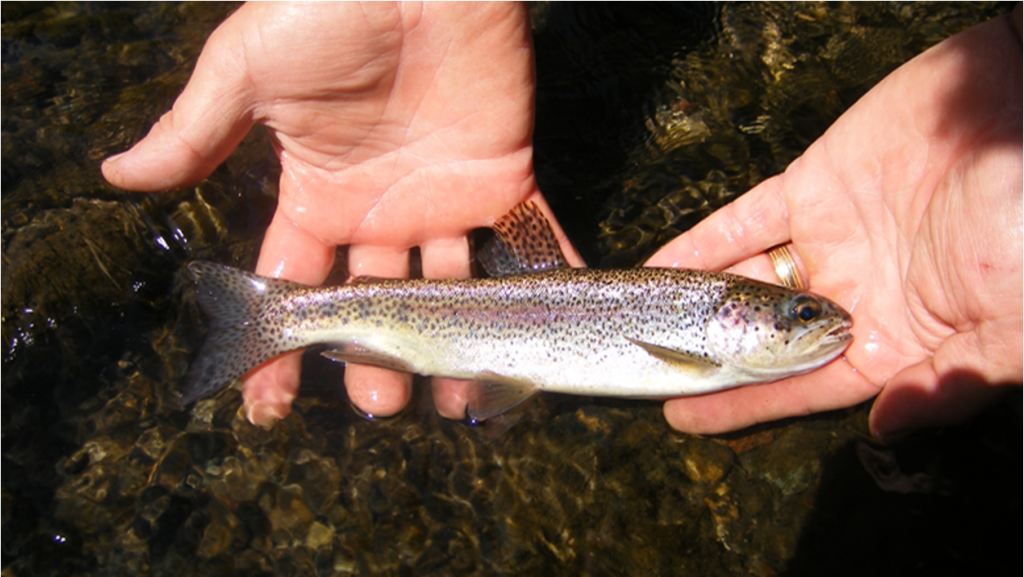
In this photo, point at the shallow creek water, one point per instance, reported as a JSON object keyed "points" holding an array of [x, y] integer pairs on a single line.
{"points": [[649, 118]]}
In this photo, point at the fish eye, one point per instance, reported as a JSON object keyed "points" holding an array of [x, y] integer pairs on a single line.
{"points": [[805, 309]]}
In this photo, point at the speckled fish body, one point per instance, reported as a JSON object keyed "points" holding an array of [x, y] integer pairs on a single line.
{"points": [[647, 333], [537, 325]]}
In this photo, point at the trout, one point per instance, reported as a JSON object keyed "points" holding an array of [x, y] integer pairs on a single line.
{"points": [[536, 325]]}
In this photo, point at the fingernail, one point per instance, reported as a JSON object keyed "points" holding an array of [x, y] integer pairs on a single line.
{"points": [[889, 437], [264, 415]]}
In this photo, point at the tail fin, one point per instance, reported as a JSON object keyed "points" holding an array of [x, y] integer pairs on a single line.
{"points": [[234, 301]]}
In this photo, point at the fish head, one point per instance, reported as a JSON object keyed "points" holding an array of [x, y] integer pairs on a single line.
{"points": [[770, 332]]}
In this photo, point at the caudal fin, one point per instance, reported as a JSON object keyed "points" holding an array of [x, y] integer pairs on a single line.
{"points": [[234, 301]]}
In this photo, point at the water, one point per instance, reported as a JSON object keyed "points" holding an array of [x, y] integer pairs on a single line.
{"points": [[643, 129]]}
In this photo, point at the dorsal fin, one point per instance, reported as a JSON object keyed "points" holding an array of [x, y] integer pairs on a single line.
{"points": [[523, 242]]}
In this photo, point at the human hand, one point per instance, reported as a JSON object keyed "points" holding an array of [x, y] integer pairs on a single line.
{"points": [[396, 126], [908, 212]]}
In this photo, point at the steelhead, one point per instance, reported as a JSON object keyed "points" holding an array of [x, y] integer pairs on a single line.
{"points": [[537, 325]]}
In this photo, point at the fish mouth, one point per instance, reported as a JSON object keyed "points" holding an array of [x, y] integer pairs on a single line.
{"points": [[840, 333], [838, 337]]}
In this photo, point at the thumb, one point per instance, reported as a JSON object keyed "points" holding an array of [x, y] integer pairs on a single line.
{"points": [[921, 396], [206, 123]]}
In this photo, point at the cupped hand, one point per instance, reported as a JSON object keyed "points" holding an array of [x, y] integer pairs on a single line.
{"points": [[396, 126], [908, 212]]}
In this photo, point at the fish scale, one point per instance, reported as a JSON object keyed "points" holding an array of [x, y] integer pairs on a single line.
{"points": [[640, 333]]}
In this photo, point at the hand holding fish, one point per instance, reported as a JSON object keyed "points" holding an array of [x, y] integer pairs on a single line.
{"points": [[393, 131], [907, 212]]}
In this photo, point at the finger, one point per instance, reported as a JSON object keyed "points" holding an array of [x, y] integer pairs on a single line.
{"points": [[377, 392], [750, 225], [288, 253], [946, 389], [207, 122], [832, 387], [380, 262], [445, 258], [268, 391], [917, 399], [788, 271], [759, 267], [450, 397]]}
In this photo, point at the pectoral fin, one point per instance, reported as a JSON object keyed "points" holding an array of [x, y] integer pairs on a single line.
{"points": [[353, 353], [697, 364], [491, 395]]}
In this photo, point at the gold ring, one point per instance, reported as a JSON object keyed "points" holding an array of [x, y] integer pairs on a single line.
{"points": [[785, 267]]}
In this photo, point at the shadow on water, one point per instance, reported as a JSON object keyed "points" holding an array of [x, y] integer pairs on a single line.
{"points": [[598, 66], [939, 503], [649, 117]]}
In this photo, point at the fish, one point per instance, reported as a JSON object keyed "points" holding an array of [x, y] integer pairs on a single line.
{"points": [[534, 324]]}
